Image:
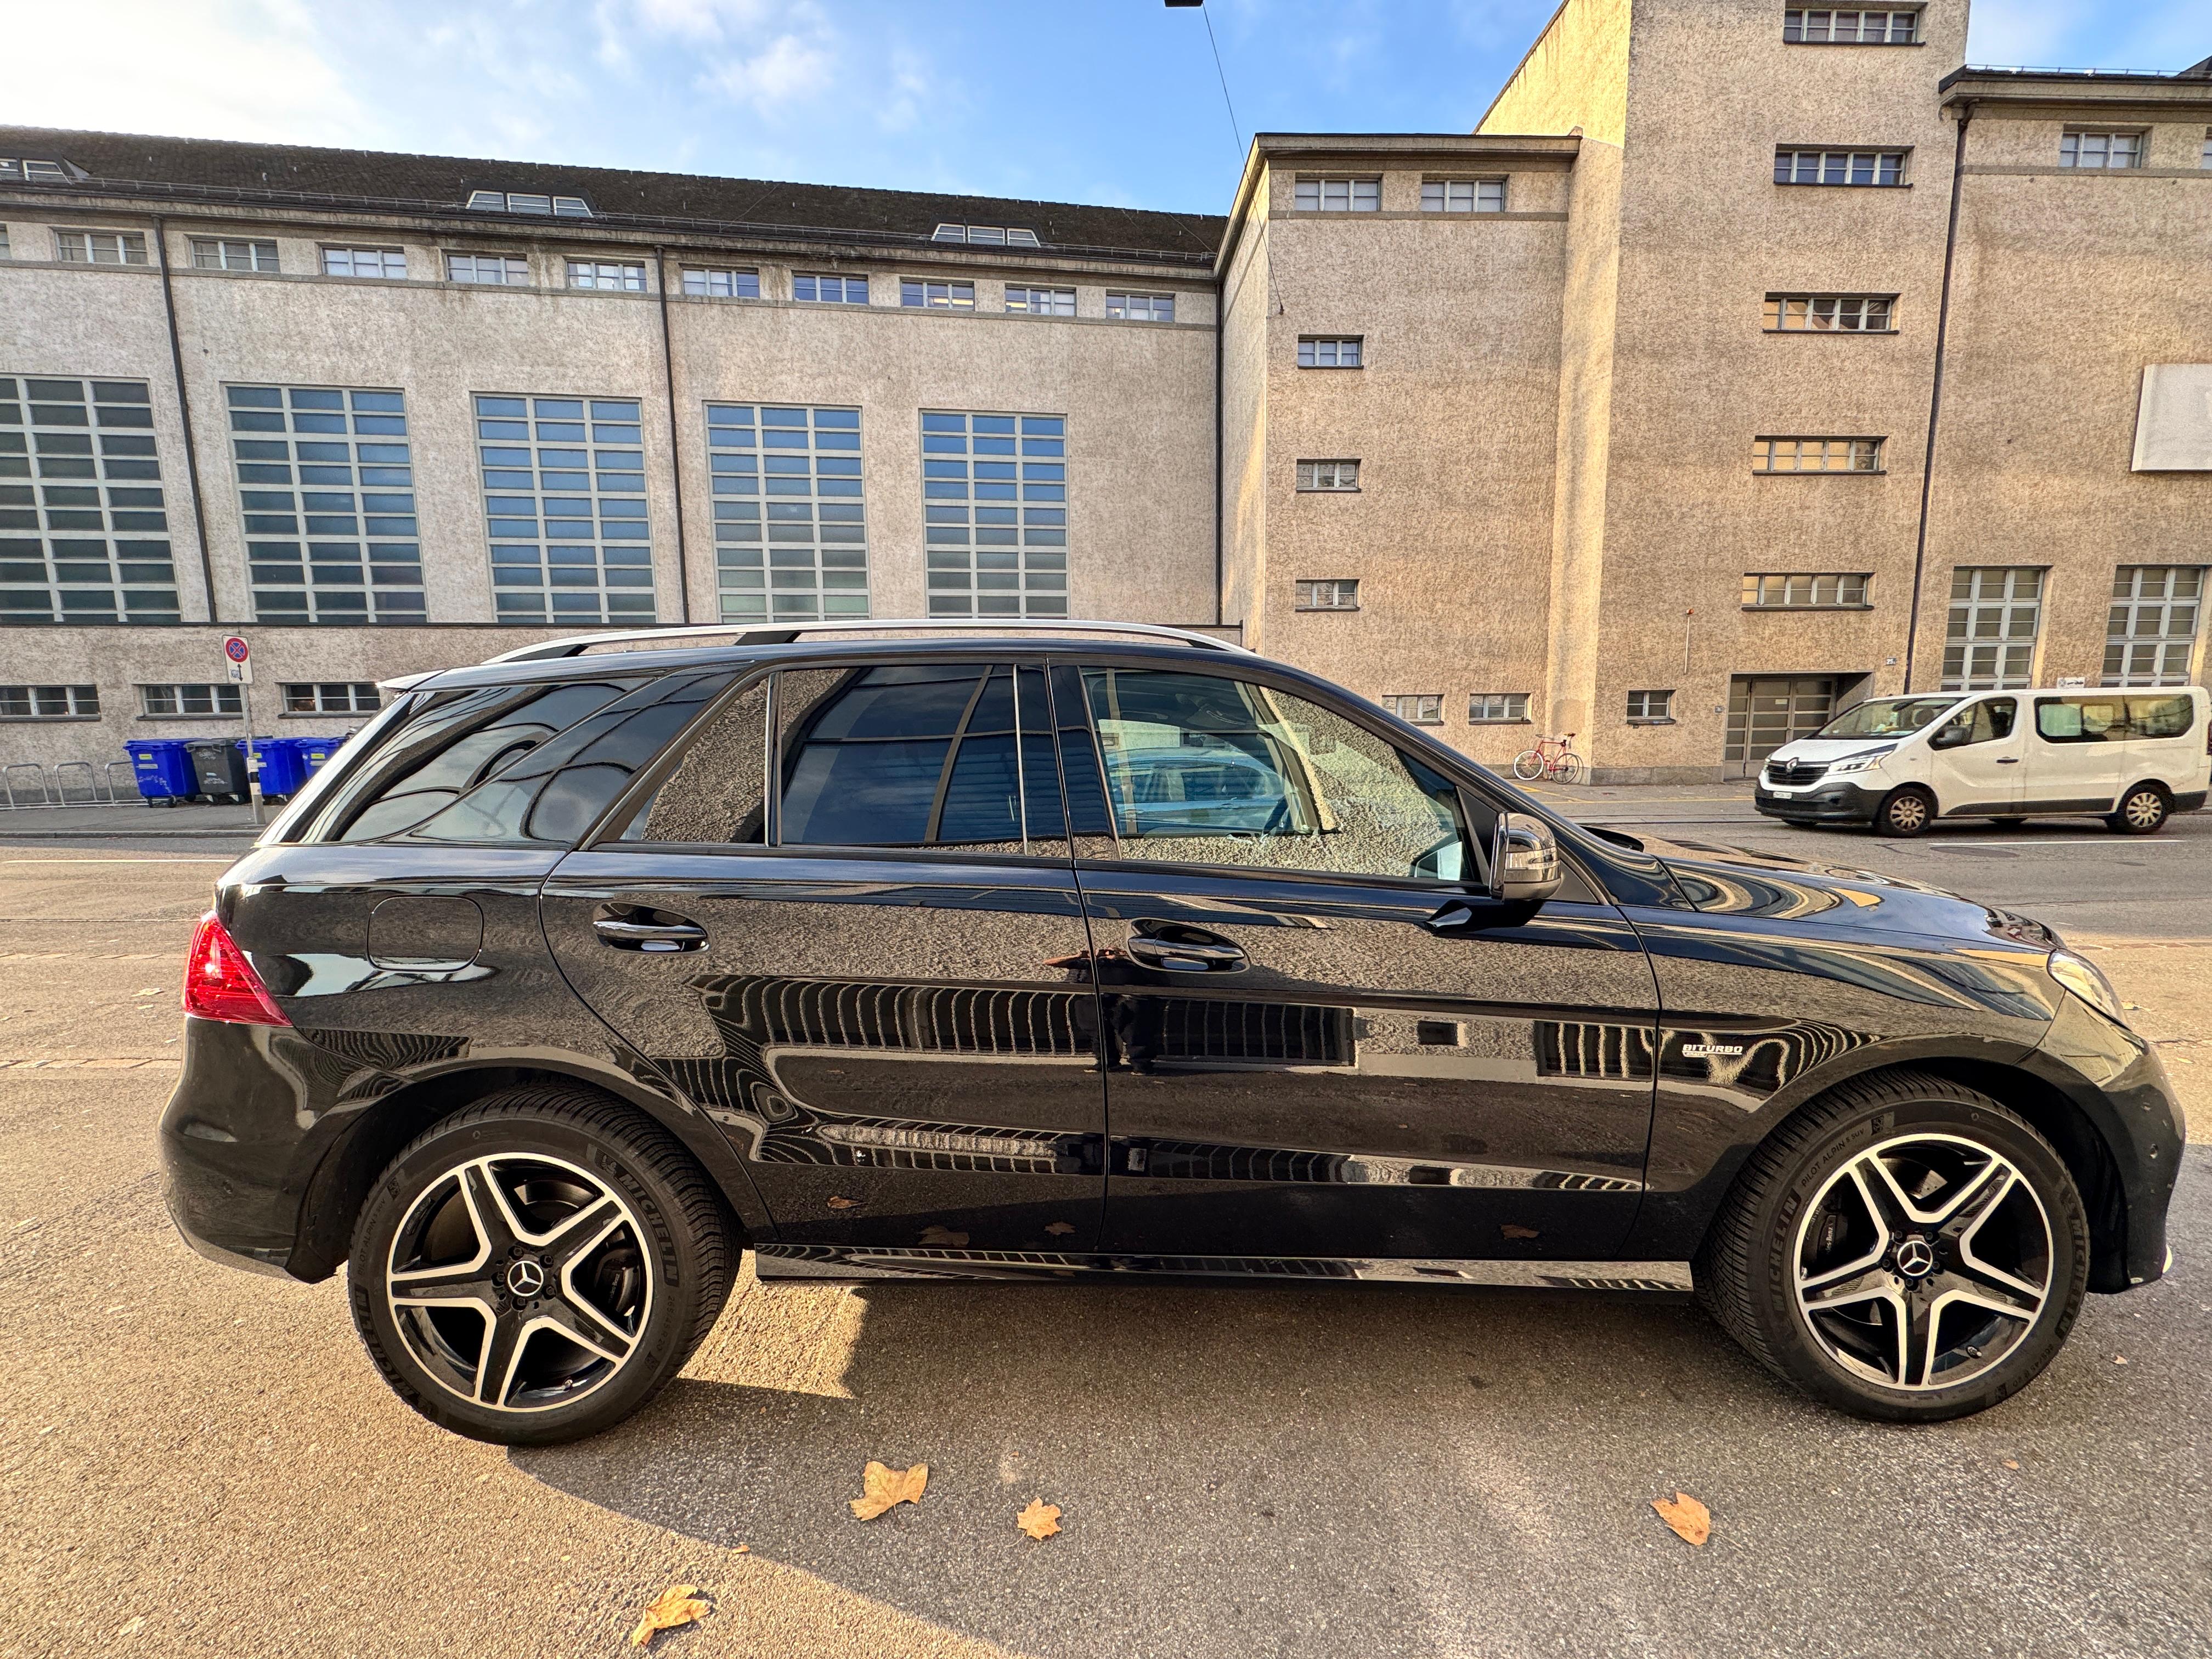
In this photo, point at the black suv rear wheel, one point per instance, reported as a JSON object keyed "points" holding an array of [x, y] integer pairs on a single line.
{"points": [[534, 1268], [1907, 1249]]}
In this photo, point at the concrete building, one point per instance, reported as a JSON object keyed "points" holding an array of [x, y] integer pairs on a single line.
{"points": [[1743, 360]]}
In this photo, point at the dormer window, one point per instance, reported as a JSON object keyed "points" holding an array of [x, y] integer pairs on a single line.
{"points": [[14, 168], [516, 201], [987, 235]]}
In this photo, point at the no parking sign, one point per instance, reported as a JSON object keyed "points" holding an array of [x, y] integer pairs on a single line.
{"points": [[237, 658]]}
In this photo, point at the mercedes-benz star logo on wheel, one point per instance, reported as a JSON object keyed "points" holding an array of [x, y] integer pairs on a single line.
{"points": [[527, 1277], [1914, 1259]]}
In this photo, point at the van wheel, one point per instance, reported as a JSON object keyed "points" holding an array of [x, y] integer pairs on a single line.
{"points": [[2143, 810], [1906, 811]]}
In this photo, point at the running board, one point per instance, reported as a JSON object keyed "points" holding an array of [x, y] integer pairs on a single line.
{"points": [[849, 1264]]}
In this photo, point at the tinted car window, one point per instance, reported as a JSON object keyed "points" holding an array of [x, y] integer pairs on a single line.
{"points": [[2160, 717], [1204, 769], [718, 792], [2081, 719], [922, 755]]}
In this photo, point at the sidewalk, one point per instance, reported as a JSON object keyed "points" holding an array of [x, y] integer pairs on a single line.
{"points": [[132, 821]]}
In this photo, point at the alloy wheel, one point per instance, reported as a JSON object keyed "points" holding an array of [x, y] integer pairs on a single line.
{"points": [[2144, 809], [1922, 1262], [519, 1281], [1908, 814]]}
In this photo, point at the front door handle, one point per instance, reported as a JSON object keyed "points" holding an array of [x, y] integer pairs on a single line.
{"points": [[628, 932], [1181, 950], [2009, 760]]}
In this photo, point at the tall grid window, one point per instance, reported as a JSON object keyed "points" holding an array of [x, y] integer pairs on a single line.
{"points": [[99, 247], [2100, 149], [1325, 476], [791, 535], [1830, 314], [387, 262], [565, 495], [1141, 307], [1816, 455], [2152, 633], [937, 296], [1497, 708], [1462, 196], [1890, 27], [494, 270], [326, 484], [161, 700], [49, 703], [995, 494], [1329, 350], [1042, 301], [1415, 707], [622, 276], [722, 284], [1769, 591], [1328, 593], [830, 290], [1839, 167], [214, 253], [1338, 195], [1989, 642], [332, 697], [84, 529]]}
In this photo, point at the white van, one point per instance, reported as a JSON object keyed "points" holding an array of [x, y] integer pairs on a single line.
{"points": [[2131, 758]]}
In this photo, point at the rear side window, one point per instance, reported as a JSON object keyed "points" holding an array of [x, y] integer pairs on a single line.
{"points": [[718, 793], [2111, 719]]}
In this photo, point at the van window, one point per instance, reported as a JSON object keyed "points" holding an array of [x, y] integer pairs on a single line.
{"points": [[2162, 717], [2091, 719], [1986, 721], [1887, 717]]}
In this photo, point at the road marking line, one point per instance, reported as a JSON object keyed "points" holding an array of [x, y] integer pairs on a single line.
{"points": [[186, 857]]}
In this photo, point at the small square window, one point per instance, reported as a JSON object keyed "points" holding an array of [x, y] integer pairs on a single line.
{"points": [[920, 292], [1416, 708], [1338, 195], [829, 290], [722, 284], [1329, 350], [1497, 708], [1335, 593], [213, 253], [2095, 149], [494, 270], [1463, 196], [1325, 476], [623, 276], [380, 262], [1650, 706], [1042, 301], [1141, 307]]}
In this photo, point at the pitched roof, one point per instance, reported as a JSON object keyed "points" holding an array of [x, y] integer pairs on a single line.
{"points": [[226, 170]]}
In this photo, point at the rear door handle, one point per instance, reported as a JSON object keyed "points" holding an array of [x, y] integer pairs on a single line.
{"points": [[1196, 953], [2009, 760], [625, 934]]}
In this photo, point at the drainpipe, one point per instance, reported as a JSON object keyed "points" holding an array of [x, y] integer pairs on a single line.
{"points": [[1935, 392], [1220, 575], [185, 416], [675, 436]]}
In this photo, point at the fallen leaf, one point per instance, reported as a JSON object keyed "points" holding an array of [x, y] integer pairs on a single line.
{"points": [[2119, 1359], [132, 1627], [883, 1488], [1509, 1231], [844, 1203], [1040, 1520], [677, 1605], [2012, 1462], [943, 1237], [1059, 1227], [1692, 1521], [745, 1549]]}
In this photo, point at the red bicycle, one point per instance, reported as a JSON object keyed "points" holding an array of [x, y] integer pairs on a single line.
{"points": [[1551, 759]]}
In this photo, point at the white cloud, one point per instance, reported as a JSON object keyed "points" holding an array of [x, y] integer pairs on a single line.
{"points": [[787, 69]]}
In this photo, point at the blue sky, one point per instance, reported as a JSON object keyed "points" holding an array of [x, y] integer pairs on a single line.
{"points": [[1095, 101]]}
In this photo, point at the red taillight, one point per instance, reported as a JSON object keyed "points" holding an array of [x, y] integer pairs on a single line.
{"points": [[219, 983]]}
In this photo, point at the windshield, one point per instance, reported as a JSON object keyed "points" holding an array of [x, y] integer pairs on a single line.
{"points": [[1887, 717]]}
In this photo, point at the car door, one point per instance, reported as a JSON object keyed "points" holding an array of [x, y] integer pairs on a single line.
{"points": [[845, 923], [1976, 759], [2075, 757], [1324, 1037]]}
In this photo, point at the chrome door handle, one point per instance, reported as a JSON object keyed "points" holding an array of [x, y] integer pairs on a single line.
{"points": [[654, 936], [1189, 956]]}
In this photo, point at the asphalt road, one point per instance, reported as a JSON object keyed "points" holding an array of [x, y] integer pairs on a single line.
{"points": [[197, 1461]]}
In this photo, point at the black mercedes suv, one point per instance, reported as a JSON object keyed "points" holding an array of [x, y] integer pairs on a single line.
{"points": [[1052, 950]]}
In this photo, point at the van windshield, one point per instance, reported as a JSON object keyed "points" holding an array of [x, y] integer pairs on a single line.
{"points": [[1887, 717]]}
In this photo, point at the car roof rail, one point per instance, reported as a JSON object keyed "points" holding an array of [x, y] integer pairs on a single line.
{"points": [[785, 633]]}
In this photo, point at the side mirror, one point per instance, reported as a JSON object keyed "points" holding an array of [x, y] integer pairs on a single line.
{"points": [[1951, 737], [1525, 861]]}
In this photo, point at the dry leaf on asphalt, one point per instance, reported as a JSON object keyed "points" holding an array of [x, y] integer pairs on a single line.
{"points": [[1511, 1230], [1058, 1228], [884, 1488], [943, 1238], [844, 1203], [1040, 1520], [2012, 1462], [677, 1605], [1692, 1521]]}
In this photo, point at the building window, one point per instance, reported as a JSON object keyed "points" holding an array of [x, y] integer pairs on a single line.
{"points": [[995, 497], [830, 290], [2204, 158], [1336, 593], [1816, 454], [1881, 27], [937, 296], [212, 253], [1338, 195], [161, 700], [791, 539], [564, 496], [1831, 314], [13, 169], [1649, 708], [1989, 643], [1415, 707], [2100, 149], [99, 247], [1329, 350], [334, 697], [1839, 167], [49, 703], [1141, 307], [1462, 196], [84, 527], [1328, 475], [1042, 301], [4, 252], [326, 484], [2152, 633], [624, 277], [987, 235], [512, 201], [385, 262], [722, 284], [1769, 591], [1497, 708], [498, 269]]}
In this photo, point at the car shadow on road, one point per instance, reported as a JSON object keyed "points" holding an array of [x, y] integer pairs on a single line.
{"points": [[1295, 1463]]}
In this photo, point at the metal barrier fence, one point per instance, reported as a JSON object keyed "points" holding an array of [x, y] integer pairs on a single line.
{"points": [[27, 784]]}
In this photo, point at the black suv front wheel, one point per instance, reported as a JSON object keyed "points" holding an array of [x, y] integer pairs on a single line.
{"points": [[1907, 1249], [534, 1268]]}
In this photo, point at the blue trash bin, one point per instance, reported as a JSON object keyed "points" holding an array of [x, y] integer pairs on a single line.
{"points": [[313, 753], [284, 769], [164, 771]]}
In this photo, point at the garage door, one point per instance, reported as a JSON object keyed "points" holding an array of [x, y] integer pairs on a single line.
{"points": [[1765, 712]]}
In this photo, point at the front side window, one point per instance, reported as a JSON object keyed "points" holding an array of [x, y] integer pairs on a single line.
{"points": [[1830, 314], [1203, 769], [49, 703], [158, 701], [720, 284], [1890, 26], [2151, 634], [211, 254], [1335, 593], [100, 247], [1141, 307], [332, 697], [492, 270], [1498, 708], [1329, 350], [84, 524], [1042, 301], [791, 534], [2100, 149], [564, 498], [623, 276], [994, 502], [1816, 455], [1463, 196], [1650, 706], [1858, 168], [919, 293], [1990, 639], [1985, 721], [389, 262], [829, 290], [1338, 195]]}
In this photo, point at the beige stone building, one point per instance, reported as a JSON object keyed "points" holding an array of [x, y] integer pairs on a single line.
{"points": [[1744, 359]]}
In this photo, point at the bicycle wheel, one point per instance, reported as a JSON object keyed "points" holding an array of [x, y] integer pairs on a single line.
{"points": [[1528, 765], [1568, 769]]}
